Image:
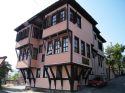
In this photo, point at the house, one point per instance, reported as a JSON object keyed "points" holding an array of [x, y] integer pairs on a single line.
{"points": [[2, 59], [60, 48]]}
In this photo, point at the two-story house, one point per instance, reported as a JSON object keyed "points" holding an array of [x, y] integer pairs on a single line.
{"points": [[60, 47]]}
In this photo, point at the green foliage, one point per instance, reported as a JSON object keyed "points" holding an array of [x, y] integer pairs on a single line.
{"points": [[14, 77], [114, 55], [6, 67]]}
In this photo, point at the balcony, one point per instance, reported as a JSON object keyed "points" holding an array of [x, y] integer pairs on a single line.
{"points": [[22, 43], [27, 64], [54, 29]]}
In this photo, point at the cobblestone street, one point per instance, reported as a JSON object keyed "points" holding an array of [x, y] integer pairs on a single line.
{"points": [[116, 85]]}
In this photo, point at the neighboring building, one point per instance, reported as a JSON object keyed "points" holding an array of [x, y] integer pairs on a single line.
{"points": [[2, 59], [60, 47]]}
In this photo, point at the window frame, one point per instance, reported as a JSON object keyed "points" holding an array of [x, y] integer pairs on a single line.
{"points": [[88, 50], [83, 51], [78, 22], [76, 44], [40, 48], [57, 46], [65, 43], [50, 48], [100, 45], [38, 72], [54, 19], [62, 15], [35, 53]]}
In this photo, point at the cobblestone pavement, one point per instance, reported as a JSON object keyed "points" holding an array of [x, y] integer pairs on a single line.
{"points": [[116, 85]]}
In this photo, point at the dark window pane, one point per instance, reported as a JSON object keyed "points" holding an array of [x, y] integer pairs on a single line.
{"points": [[36, 33], [38, 73], [50, 48], [62, 15], [88, 50], [54, 20], [65, 44], [76, 45], [35, 52], [43, 57], [100, 46], [78, 21], [57, 47], [83, 48], [40, 48]]}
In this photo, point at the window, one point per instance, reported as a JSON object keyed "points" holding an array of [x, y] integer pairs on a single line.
{"points": [[85, 61], [43, 57], [72, 16], [83, 48], [57, 47], [76, 45], [50, 48], [59, 72], [28, 52], [40, 48], [100, 60], [36, 33], [24, 54], [100, 46], [78, 21], [62, 15], [38, 73], [20, 55], [54, 19], [88, 50], [65, 44], [35, 52], [48, 21], [23, 34]]}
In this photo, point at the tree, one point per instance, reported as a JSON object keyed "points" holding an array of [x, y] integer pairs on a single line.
{"points": [[4, 69], [114, 56], [15, 76]]}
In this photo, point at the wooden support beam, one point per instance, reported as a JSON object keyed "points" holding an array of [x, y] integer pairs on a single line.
{"points": [[80, 74], [23, 74], [53, 76], [46, 70], [88, 72], [34, 80], [60, 72]]}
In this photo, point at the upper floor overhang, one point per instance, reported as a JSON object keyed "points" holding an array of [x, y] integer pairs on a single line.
{"points": [[38, 18]]}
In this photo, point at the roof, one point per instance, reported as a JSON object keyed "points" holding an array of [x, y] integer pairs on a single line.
{"points": [[101, 38], [95, 29], [37, 19], [2, 59]]}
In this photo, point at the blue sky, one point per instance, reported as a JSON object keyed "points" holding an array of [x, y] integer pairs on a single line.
{"points": [[110, 15]]}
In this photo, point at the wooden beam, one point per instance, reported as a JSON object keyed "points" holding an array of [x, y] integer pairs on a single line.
{"points": [[61, 77], [23, 74], [53, 76], [46, 70]]}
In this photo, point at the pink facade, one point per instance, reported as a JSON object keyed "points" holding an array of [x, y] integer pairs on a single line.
{"points": [[60, 48]]}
